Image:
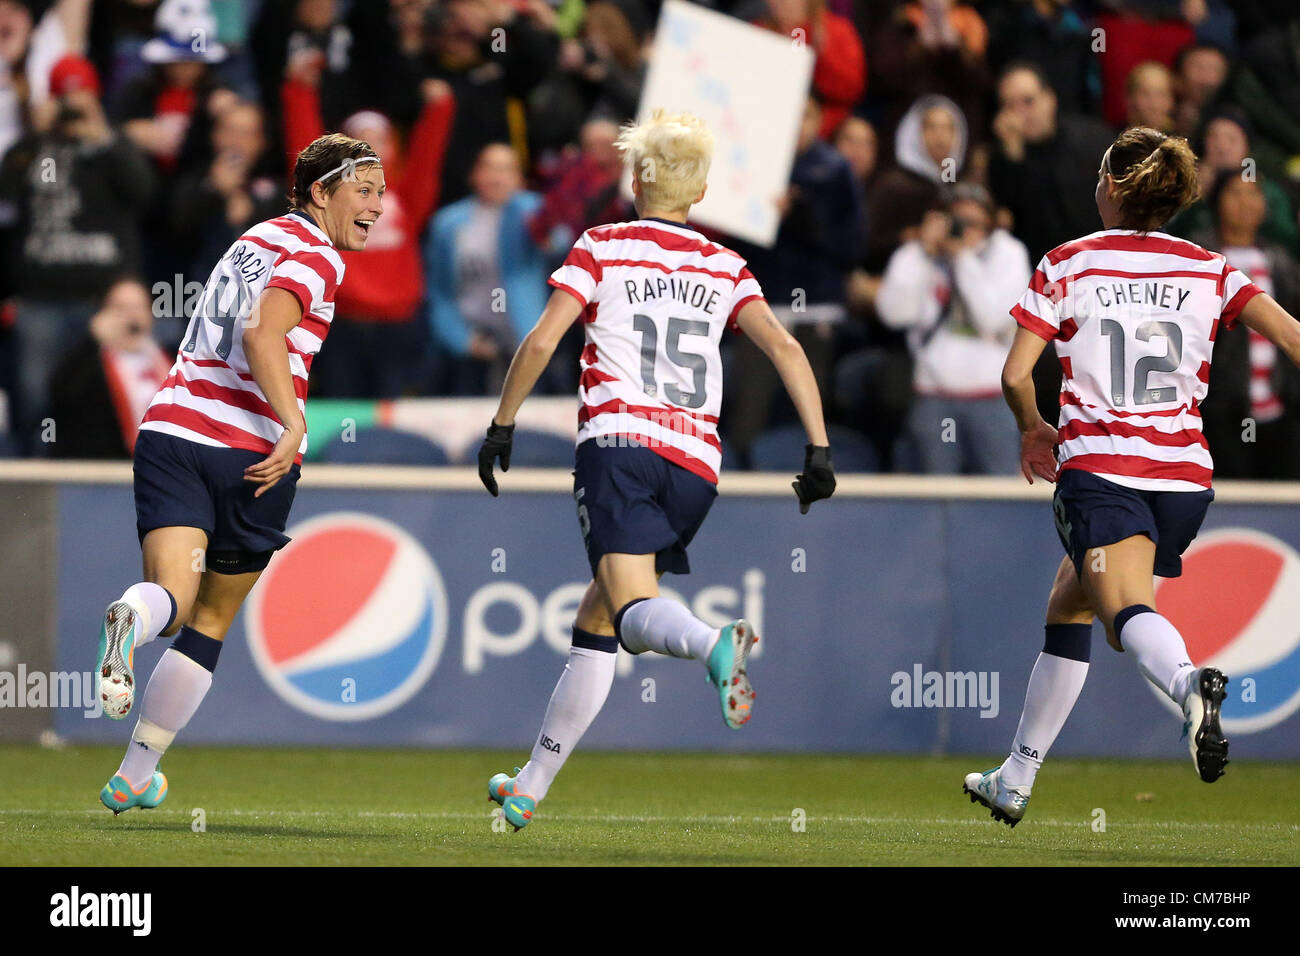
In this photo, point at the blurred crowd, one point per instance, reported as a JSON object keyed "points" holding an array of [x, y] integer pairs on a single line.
{"points": [[945, 147]]}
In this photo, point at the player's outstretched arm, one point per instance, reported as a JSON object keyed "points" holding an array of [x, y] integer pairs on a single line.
{"points": [[274, 315], [1037, 437], [1275, 323], [531, 358], [817, 480]]}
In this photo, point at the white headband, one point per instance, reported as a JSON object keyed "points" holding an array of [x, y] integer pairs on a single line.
{"points": [[346, 164], [1105, 160]]}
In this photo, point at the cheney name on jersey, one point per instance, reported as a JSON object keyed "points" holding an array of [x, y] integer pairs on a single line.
{"points": [[210, 396], [657, 296], [1134, 317]]}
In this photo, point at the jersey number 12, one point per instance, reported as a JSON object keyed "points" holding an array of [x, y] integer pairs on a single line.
{"points": [[1168, 362]]}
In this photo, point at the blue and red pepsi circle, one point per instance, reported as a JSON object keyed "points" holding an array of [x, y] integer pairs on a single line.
{"points": [[1237, 606], [349, 620]]}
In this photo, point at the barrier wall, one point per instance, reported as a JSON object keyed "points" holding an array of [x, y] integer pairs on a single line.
{"points": [[904, 615]]}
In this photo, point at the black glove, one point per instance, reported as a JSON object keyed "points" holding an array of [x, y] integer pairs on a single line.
{"points": [[495, 445], [818, 480]]}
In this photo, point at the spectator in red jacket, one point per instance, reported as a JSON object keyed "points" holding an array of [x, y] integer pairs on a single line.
{"points": [[840, 72], [377, 345], [584, 191]]}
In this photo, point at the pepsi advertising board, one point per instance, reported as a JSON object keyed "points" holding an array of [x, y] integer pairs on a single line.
{"points": [[417, 618]]}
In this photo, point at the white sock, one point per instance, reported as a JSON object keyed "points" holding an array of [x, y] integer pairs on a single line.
{"points": [[667, 627], [176, 688], [1054, 687], [1160, 651], [154, 604], [575, 702]]}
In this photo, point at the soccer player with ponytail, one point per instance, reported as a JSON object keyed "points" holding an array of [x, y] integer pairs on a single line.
{"points": [[1134, 313]]}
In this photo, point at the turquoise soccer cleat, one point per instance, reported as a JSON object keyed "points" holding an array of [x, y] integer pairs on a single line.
{"points": [[117, 636], [727, 672], [516, 807], [118, 795]]}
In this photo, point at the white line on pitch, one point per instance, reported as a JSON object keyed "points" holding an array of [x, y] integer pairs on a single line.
{"points": [[631, 818]]}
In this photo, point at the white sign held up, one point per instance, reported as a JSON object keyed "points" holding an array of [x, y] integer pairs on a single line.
{"points": [[750, 86]]}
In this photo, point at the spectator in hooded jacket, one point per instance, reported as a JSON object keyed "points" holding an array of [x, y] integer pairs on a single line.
{"points": [[929, 151]]}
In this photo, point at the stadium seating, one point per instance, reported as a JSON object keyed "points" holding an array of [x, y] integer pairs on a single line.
{"points": [[384, 446], [538, 449], [780, 449]]}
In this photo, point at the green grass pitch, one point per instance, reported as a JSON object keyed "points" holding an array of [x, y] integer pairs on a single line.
{"points": [[342, 807]]}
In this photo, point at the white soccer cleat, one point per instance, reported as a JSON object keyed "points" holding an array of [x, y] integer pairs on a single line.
{"points": [[1205, 738], [1006, 803]]}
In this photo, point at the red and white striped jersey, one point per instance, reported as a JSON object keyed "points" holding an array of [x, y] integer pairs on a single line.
{"points": [[1134, 317], [657, 296], [1265, 403], [210, 397]]}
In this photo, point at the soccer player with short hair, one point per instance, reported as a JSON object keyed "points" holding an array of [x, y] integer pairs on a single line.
{"points": [[655, 297], [1134, 313], [219, 451]]}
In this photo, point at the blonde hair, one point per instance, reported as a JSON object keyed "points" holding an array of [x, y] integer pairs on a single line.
{"points": [[670, 154]]}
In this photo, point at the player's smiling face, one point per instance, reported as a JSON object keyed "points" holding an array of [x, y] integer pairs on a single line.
{"points": [[355, 206]]}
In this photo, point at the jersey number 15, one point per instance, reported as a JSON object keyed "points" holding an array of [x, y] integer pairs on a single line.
{"points": [[693, 361]]}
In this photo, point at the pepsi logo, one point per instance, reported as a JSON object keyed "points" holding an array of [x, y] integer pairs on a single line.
{"points": [[349, 620], [1237, 606]]}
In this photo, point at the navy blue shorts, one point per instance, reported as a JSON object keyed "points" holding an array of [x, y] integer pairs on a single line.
{"points": [[633, 501], [1092, 512], [181, 483]]}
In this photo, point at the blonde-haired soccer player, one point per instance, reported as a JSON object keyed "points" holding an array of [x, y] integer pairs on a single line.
{"points": [[655, 297]]}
